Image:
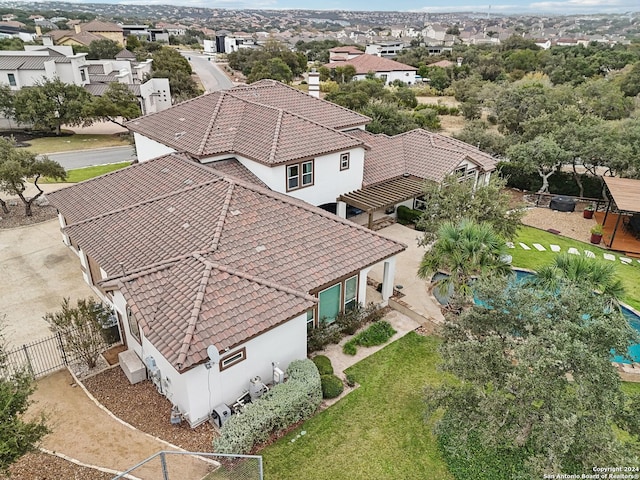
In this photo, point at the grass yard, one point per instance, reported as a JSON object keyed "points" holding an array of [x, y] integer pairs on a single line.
{"points": [[533, 259], [80, 174], [377, 431], [75, 142]]}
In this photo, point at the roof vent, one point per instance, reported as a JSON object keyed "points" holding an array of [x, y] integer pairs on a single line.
{"points": [[165, 170], [235, 212], [260, 248], [185, 225], [188, 181], [181, 119], [171, 209], [179, 134]]}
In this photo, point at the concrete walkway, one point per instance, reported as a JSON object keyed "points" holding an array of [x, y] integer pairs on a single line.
{"points": [[85, 432], [416, 291]]}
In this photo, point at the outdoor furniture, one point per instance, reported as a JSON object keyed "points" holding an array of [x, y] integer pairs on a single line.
{"points": [[562, 204]]}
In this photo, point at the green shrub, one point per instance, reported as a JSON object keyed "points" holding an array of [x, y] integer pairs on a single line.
{"points": [[407, 215], [377, 334], [351, 380], [282, 406], [323, 335], [323, 363], [332, 386], [351, 320]]}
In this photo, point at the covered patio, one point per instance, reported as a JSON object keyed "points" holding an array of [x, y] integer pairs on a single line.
{"points": [[621, 220], [381, 196]]}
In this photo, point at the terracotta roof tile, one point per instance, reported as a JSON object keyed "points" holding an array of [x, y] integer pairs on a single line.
{"points": [[419, 153], [366, 63], [221, 123], [264, 251]]}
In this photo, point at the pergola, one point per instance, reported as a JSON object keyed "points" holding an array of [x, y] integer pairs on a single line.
{"points": [[625, 193], [384, 195]]}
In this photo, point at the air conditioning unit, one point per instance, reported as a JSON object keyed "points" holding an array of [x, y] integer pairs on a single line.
{"points": [[154, 373]]}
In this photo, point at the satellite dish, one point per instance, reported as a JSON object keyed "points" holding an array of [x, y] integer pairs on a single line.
{"points": [[213, 353]]}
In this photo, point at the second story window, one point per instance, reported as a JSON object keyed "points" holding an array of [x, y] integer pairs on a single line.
{"points": [[344, 161], [299, 175], [12, 79]]}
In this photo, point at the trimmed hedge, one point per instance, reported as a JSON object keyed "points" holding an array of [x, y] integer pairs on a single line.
{"points": [[282, 406], [407, 215], [332, 386], [323, 364]]}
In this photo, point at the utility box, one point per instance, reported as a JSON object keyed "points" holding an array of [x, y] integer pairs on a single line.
{"points": [[220, 414], [132, 366]]}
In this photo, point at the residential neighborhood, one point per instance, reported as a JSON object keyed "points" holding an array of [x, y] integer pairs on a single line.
{"points": [[384, 245]]}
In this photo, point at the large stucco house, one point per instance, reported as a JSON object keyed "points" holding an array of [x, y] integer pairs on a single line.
{"points": [[190, 257]]}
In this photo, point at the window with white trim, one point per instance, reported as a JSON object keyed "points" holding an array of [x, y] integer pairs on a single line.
{"points": [[329, 303], [311, 317], [350, 293], [344, 161], [12, 79], [134, 328], [299, 175], [233, 358]]}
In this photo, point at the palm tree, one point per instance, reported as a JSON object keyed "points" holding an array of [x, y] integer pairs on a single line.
{"points": [[465, 250], [588, 273]]}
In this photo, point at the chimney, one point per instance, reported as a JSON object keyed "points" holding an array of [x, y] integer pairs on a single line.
{"points": [[77, 28], [47, 41], [314, 83], [38, 31]]}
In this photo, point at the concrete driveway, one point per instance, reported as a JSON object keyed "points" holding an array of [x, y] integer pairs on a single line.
{"points": [[38, 271]]}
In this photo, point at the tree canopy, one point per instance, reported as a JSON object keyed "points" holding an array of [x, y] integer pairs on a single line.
{"points": [[168, 63], [263, 60], [16, 165], [536, 392], [118, 101]]}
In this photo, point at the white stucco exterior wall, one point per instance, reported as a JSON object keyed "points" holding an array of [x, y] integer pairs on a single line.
{"points": [[408, 77], [147, 149], [329, 181]]}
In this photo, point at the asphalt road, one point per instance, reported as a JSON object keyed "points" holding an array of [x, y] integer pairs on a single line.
{"points": [[100, 156], [211, 76]]}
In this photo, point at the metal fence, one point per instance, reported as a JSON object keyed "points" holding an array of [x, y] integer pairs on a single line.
{"points": [[173, 465], [42, 357]]}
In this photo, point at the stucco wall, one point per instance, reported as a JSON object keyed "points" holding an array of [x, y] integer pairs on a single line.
{"points": [[147, 149]]}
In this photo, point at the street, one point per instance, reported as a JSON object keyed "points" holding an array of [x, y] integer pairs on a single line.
{"points": [[100, 156], [211, 76]]}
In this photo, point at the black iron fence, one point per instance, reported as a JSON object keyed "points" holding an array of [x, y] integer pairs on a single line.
{"points": [[45, 356]]}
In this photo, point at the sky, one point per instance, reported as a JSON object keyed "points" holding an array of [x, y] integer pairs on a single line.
{"points": [[494, 7]]}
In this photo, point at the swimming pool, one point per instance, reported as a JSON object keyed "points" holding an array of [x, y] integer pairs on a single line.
{"points": [[632, 317]]}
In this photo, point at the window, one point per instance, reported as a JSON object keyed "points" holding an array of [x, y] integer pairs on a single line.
{"points": [[350, 293], [329, 303], [12, 79], [83, 75], [133, 325], [299, 175], [311, 316], [344, 161], [233, 358]]}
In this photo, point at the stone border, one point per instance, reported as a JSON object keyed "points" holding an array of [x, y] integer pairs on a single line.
{"points": [[86, 465]]}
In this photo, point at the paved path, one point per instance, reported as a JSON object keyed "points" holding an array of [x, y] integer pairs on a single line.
{"points": [[38, 271], [210, 74], [85, 432], [97, 156]]}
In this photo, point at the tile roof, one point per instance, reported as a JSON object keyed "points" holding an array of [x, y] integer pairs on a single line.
{"points": [[419, 153], [221, 123], [253, 255], [279, 95], [124, 53], [28, 62], [85, 38], [96, 69], [98, 26], [99, 89], [366, 63], [234, 168], [346, 49]]}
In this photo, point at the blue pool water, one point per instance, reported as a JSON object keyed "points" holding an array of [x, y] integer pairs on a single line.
{"points": [[634, 319]]}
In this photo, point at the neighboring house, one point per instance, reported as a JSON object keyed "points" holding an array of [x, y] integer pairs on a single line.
{"points": [[20, 69], [341, 54], [190, 258], [85, 33], [8, 30], [385, 49], [384, 68]]}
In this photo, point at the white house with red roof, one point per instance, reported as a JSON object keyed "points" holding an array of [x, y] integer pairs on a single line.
{"points": [[193, 259], [384, 68]]}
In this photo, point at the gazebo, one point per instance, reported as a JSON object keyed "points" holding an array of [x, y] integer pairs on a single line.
{"points": [[621, 220]]}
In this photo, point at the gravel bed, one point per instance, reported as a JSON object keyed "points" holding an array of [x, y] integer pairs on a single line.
{"points": [[143, 407], [42, 466], [17, 218]]}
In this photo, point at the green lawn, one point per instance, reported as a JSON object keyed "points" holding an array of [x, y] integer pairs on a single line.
{"points": [[75, 142], [85, 173], [533, 259], [377, 431]]}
